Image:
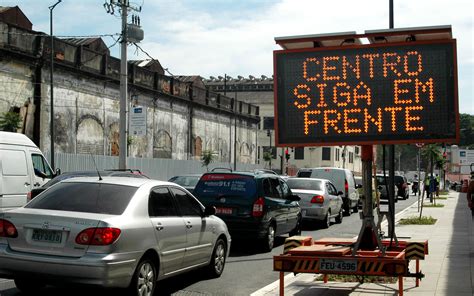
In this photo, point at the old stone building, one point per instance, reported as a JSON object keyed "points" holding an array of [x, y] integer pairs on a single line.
{"points": [[183, 118], [259, 91]]}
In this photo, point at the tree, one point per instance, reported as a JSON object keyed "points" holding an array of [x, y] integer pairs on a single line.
{"points": [[207, 157], [466, 122], [10, 121], [267, 157]]}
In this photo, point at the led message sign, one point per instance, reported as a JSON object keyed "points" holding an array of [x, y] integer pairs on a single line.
{"points": [[369, 94]]}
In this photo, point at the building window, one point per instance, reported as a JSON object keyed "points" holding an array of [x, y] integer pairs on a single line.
{"points": [[326, 153], [337, 154], [356, 150], [299, 153], [351, 157]]}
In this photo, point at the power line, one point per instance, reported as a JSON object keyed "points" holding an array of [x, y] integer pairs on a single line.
{"points": [[151, 58], [61, 36]]}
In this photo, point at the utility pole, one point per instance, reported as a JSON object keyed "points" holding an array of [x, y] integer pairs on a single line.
{"points": [[51, 69], [129, 33]]}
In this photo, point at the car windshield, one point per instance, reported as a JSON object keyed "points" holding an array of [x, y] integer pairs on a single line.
{"points": [[226, 185], [101, 198], [296, 183], [380, 180], [185, 181]]}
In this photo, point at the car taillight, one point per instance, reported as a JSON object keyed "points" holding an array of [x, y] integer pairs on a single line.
{"points": [[257, 210], [346, 188], [28, 196], [7, 229], [317, 199], [100, 236]]}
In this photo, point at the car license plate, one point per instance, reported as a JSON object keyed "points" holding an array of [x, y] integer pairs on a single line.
{"points": [[224, 211], [337, 265], [49, 236]]}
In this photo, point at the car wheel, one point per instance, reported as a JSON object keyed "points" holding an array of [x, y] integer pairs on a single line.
{"points": [[28, 286], [340, 216], [144, 279], [327, 220], [216, 266], [355, 209], [269, 239], [297, 229], [347, 209]]}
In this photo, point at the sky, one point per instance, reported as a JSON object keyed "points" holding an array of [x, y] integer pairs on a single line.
{"points": [[236, 37]]}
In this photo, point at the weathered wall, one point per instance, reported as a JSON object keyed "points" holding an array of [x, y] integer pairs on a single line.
{"points": [[87, 121], [16, 91]]}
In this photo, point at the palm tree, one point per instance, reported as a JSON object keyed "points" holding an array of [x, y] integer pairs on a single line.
{"points": [[267, 157], [207, 157], [10, 121], [432, 153]]}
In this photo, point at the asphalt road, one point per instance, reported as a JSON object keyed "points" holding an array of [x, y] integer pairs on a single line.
{"points": [[247, 269]]}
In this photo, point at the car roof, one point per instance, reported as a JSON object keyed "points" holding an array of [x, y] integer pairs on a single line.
{"points": [[312, 179], [255, 174], [136, 182]]}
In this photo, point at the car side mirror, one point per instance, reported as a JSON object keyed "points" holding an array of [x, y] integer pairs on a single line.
{"points": [[208, 211], [340, 193], [294, 197], [58, 172], [358, 186]]}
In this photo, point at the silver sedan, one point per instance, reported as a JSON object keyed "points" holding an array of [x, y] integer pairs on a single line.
{"points": [[111, 232], [320, 200]]}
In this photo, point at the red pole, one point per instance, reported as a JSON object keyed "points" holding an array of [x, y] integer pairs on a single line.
{"points": [[282, 283], [417, 271], [400, 285]]}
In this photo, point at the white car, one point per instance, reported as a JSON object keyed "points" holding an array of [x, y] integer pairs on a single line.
{"points": [[320, 201], [111, 232]]}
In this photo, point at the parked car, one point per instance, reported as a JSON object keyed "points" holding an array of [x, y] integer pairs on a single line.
{"points": [[110, 232], [257, 206], [320, 200], [342, 179], [402, 186], [187, 181], [64, 176], [382, 187], [22, 168]]}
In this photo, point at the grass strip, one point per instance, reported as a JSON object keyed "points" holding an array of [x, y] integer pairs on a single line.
{"points": [[415, 220], [433, 205], [441, 197]]}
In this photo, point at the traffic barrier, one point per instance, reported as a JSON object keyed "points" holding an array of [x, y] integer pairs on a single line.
{"points": [[415, 250], [296, 241]]}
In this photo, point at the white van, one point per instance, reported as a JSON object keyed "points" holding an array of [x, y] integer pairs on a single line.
{"points": [[343, 180], [22, 168]]}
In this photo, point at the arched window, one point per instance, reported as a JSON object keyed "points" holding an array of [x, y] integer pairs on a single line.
{"points": [[197, 151], [90, 136], [114, 139], [162, 145], [244, 153]]}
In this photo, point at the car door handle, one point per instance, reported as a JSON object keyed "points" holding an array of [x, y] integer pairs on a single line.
{"points": [[27, 184], [189, 225], [37, 184], [159, 227]]}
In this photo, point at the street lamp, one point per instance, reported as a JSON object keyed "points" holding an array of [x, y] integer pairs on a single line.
{"points": [[51, 125]]}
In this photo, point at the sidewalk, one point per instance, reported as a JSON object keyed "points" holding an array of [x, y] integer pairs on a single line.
{"points": [[448, 268]]}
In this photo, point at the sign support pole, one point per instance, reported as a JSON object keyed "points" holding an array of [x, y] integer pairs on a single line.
{"points": [[368, 236]]}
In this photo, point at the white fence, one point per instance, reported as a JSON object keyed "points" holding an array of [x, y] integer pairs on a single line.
{"points": [[155, 168]]}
